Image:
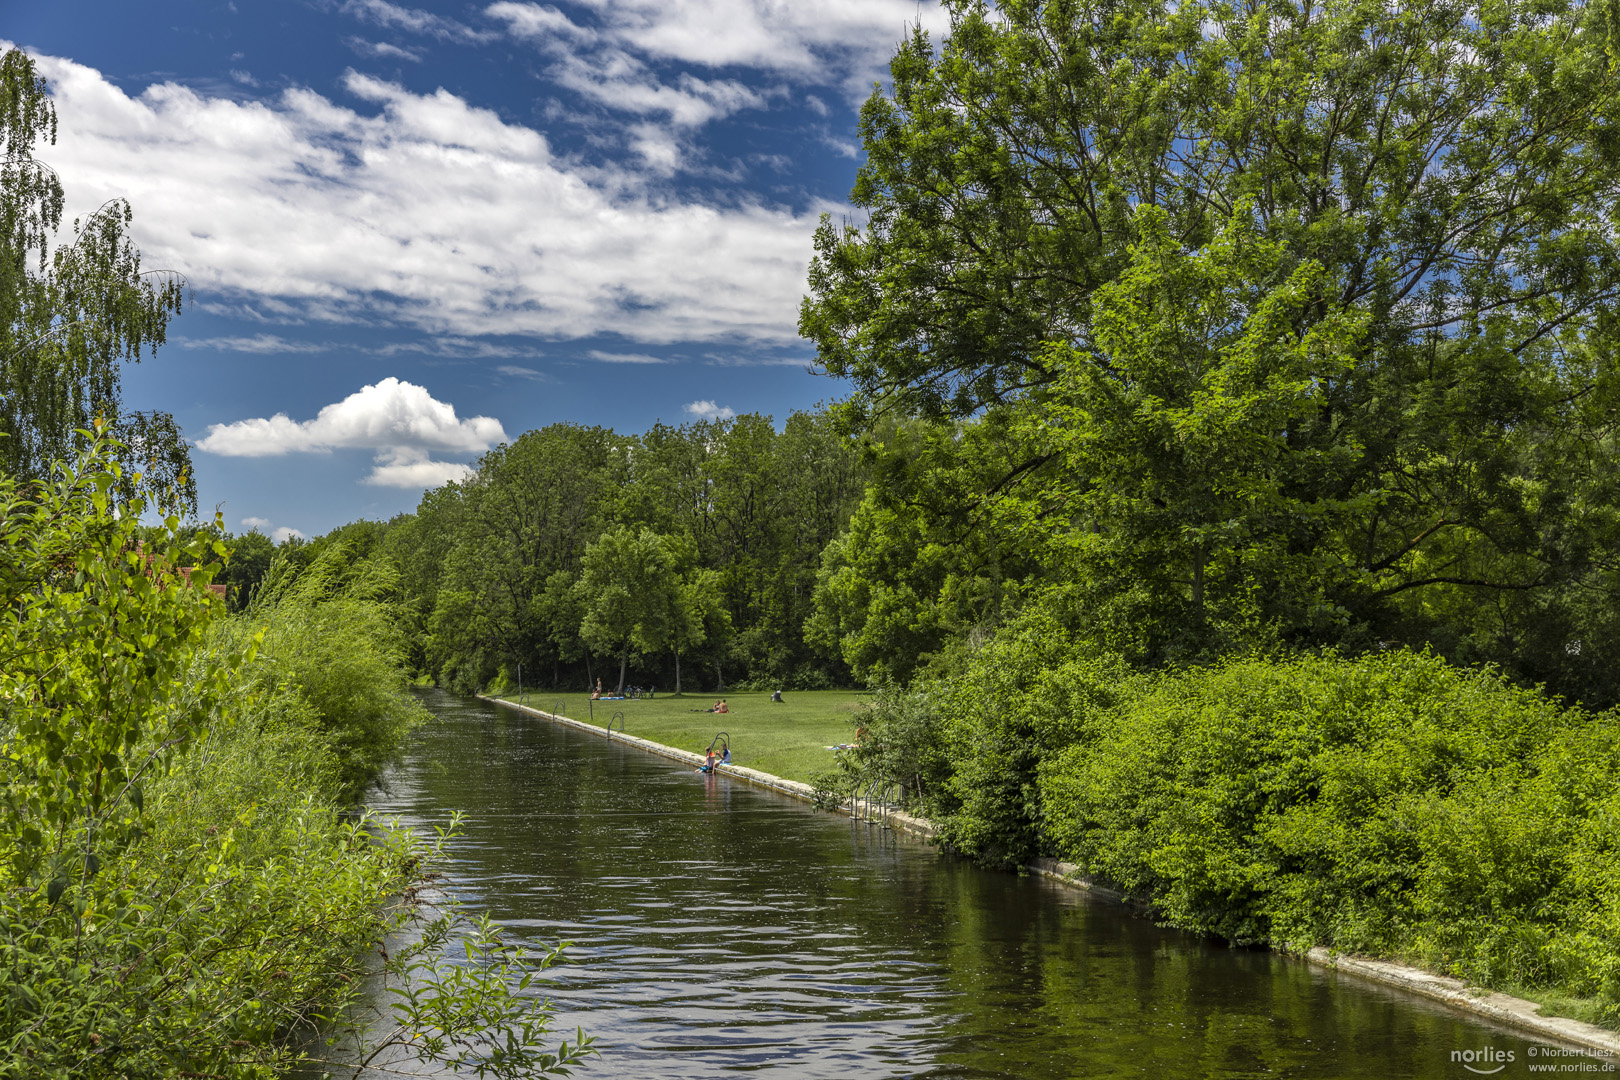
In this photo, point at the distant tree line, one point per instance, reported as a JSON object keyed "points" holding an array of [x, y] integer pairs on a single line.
{"points": [[686, 554]]}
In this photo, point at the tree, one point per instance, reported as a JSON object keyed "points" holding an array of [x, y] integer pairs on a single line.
{"points": [[69, 317], [695, 608], [1059, 198], [630, 588], [251, 555]]}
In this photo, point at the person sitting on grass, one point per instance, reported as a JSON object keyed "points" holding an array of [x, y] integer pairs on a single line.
{"points": [[721, 708]]}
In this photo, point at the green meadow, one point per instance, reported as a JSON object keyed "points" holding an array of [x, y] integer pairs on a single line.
{"points": [[789, 739]]}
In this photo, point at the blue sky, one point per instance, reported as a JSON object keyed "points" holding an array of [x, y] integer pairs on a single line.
{"points": [[414, 230]]}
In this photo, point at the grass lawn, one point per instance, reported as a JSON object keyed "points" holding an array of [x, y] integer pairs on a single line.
{"points": [[788, 740]]}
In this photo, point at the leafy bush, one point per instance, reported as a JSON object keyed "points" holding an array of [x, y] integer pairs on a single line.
{"points": [[182, 893], [1391, 804], [331, 634]]}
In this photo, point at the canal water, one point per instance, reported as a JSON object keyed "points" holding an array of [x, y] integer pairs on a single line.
{"points": [[718, 929]]}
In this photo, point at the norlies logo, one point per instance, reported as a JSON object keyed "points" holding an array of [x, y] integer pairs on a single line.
{"points": [[1484, 1062]]}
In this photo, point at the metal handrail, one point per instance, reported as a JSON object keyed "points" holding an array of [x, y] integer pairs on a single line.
{"points": [[718, 736], [865, 796], [619, 716], [558, 707]]}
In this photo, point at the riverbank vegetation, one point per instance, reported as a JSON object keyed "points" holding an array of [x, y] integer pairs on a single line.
{"points": [[187, 885], [187, 890]]}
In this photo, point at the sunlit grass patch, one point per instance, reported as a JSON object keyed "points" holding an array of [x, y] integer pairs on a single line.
{"points": [[787, 739]]}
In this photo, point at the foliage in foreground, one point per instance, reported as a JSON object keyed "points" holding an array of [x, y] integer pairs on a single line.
{"points": [[1391, 805], [183, 893]]}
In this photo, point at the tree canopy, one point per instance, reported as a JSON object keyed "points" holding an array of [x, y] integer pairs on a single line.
{"points": [[1297, 322], [72, 314]]}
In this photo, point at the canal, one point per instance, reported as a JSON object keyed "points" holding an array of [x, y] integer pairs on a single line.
{"points": [[720, 929]]}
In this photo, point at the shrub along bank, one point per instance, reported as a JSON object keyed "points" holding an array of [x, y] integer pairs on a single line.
{"points": [[186, 890], [1390, 805]]}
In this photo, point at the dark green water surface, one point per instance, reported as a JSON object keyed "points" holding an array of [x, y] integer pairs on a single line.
{"points": [[720, 929]]}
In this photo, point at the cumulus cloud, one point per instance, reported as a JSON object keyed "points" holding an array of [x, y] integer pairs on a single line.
{"points": [[708, 410], [388, 415], [280, 534], [413, 469], [429, 213], [401, 421]]}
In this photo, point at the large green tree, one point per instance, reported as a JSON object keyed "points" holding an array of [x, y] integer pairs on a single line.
{"points": [[630, 587], [1304, 312], [71, 315]]}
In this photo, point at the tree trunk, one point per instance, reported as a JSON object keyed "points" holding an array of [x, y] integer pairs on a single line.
{"points": [[590, 683], [677, 672], [719, 678], [624, 658]]}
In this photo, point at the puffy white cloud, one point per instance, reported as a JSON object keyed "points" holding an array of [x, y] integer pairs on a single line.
{"points": [[413, 469], [390, 415], [280, 534], [430, 213], [708, 410]]}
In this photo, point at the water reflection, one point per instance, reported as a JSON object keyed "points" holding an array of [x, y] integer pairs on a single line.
{"points": [[721, 929]]}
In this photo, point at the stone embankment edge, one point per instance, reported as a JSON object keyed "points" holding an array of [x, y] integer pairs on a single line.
{"points": [[1512, 1011]]}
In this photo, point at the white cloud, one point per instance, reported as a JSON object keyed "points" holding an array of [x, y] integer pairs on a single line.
{"points": [[413, 469], [516, 372], [624, 358], [842, 43], [413, 20], [280, 534], [756, 360], [258, 344], [382, 50], [708, 410], [431, 213], [390, 415]]}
